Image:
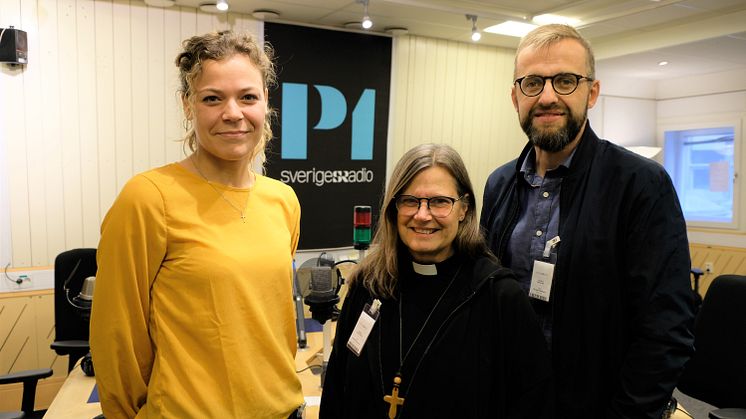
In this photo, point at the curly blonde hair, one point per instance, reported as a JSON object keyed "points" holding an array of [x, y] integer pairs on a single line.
{"points": [[219, 46]]}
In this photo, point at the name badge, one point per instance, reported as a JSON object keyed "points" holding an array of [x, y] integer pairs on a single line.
{"points": [[364, 325], [541, 280]]}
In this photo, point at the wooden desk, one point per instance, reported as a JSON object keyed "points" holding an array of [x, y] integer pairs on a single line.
{"points": [[71, 401]]}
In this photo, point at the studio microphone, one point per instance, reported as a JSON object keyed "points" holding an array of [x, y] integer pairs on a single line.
{"points": [[322, 296], [83, 302], [84, 299]]}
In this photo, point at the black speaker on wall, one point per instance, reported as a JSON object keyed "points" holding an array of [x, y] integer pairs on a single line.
{"points": [[13, 46]]}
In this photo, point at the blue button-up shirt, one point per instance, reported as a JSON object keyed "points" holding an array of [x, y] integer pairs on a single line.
{"points": [[538, 223]]}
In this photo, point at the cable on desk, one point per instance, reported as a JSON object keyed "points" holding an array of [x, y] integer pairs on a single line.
{"points": [[684, 412]]}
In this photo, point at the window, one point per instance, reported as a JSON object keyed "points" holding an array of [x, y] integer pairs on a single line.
{"points": [[702, 165]]}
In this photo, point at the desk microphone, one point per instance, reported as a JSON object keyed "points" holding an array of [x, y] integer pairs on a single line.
{"points": [[84, 299], [322, 295]]}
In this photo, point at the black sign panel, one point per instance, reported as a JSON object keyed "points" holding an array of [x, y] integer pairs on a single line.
{"points": [[332, 101]]}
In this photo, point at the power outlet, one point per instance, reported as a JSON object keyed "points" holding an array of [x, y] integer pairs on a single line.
{"points": [[22, 282], [709, 267]]}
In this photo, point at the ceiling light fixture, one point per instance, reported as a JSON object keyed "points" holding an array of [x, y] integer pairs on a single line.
{"points": [[546, 19], [265, 14], [475, 34], [366, 23], [662, 63], [511, 28], [396, 30], [220, 6]]}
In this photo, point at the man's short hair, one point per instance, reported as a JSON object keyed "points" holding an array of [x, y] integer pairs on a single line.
{"points": [[547, 35]]}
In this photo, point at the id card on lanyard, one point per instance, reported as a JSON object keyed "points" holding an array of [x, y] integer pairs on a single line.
{"points": [[364, 325], [543, 274]]}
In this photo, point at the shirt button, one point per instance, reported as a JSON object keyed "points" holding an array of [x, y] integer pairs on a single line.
{"points": [[538, 233], [545, 194]]}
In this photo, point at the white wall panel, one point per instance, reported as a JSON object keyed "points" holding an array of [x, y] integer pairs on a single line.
{"points": [[172, 106], [156, 91], [13, 126], [106, 113], [458, 94], [48, 151], [70, 90], [96, 104], [139, 89], [33, 100], [87, 124], [122, 92]]}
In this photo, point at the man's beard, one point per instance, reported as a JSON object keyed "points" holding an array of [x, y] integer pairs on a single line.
{"points": [[555, 140]]}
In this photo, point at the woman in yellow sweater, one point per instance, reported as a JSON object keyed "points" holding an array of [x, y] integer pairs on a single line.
{"points": [[193, 314]]}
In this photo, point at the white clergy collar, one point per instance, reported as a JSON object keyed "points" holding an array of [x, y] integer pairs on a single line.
{"points": [[428, 270]]}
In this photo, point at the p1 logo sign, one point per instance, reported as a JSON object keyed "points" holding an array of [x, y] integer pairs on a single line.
{"points": [[333, 113], [332, 99]]}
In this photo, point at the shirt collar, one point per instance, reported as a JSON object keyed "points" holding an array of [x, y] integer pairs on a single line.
{"points": [[529, 163]]}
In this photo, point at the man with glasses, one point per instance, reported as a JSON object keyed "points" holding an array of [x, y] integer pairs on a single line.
{"points": [[596, 237]]}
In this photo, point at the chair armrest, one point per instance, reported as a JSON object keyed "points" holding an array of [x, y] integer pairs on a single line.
{"points": [[24, 376], [64, 346]]}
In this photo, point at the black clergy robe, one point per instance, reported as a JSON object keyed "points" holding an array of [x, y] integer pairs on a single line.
{"points": [[481, 354]]}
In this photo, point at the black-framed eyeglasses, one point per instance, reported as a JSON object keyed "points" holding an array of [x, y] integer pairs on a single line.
{"points": [[562, 83], [439, 206]]}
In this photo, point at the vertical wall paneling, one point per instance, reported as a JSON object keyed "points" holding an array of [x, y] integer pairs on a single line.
{"points": [[458, 94], [33, 104], [70, 91], [105, 106], [725, 260], [172, 109], [4, 204], [16, 146], [88, 123], [156, 87], [123, 94], [139, 89], [399, 80], [96, 104], [48, 151]]}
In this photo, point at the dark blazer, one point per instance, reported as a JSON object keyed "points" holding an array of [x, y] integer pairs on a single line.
{"points": [[622, 303]]}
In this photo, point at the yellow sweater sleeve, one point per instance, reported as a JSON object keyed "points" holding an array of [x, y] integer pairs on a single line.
{"points": [[132, 246]]}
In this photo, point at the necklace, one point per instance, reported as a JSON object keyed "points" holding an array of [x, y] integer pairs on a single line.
{"points": [[393, 399], [241, 212]]}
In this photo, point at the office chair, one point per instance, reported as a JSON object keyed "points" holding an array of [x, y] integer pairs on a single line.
{"points": [[29, 379], [71, 325], [696, 273], [716, 374]]}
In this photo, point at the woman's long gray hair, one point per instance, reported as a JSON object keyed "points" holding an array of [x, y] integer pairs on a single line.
{"points": [[379, 271]]}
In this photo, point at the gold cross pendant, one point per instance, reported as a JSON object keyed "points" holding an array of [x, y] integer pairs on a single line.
{"points": [[393, 399]]}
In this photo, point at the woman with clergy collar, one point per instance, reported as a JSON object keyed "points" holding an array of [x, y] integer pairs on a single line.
{"points": [[432, 325]]}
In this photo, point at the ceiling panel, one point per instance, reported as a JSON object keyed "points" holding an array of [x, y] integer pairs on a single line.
{"points": [[709, 41]]}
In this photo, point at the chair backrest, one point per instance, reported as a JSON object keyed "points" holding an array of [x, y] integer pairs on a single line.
{"points": [[69, 324], [716, 374]]}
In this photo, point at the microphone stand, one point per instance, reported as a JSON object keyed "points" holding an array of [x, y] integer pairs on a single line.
{"points": [[327, 347], [322, 310], [300, 324]]}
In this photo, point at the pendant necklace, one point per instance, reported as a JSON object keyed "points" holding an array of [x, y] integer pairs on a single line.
{"points": [[241, 212], [393, 399]]}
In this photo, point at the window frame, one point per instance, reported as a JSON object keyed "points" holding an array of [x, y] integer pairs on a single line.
{"points": [[710, 122]]}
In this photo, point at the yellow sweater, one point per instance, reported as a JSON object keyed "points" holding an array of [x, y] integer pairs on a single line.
{"points": [[193, 314]]}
